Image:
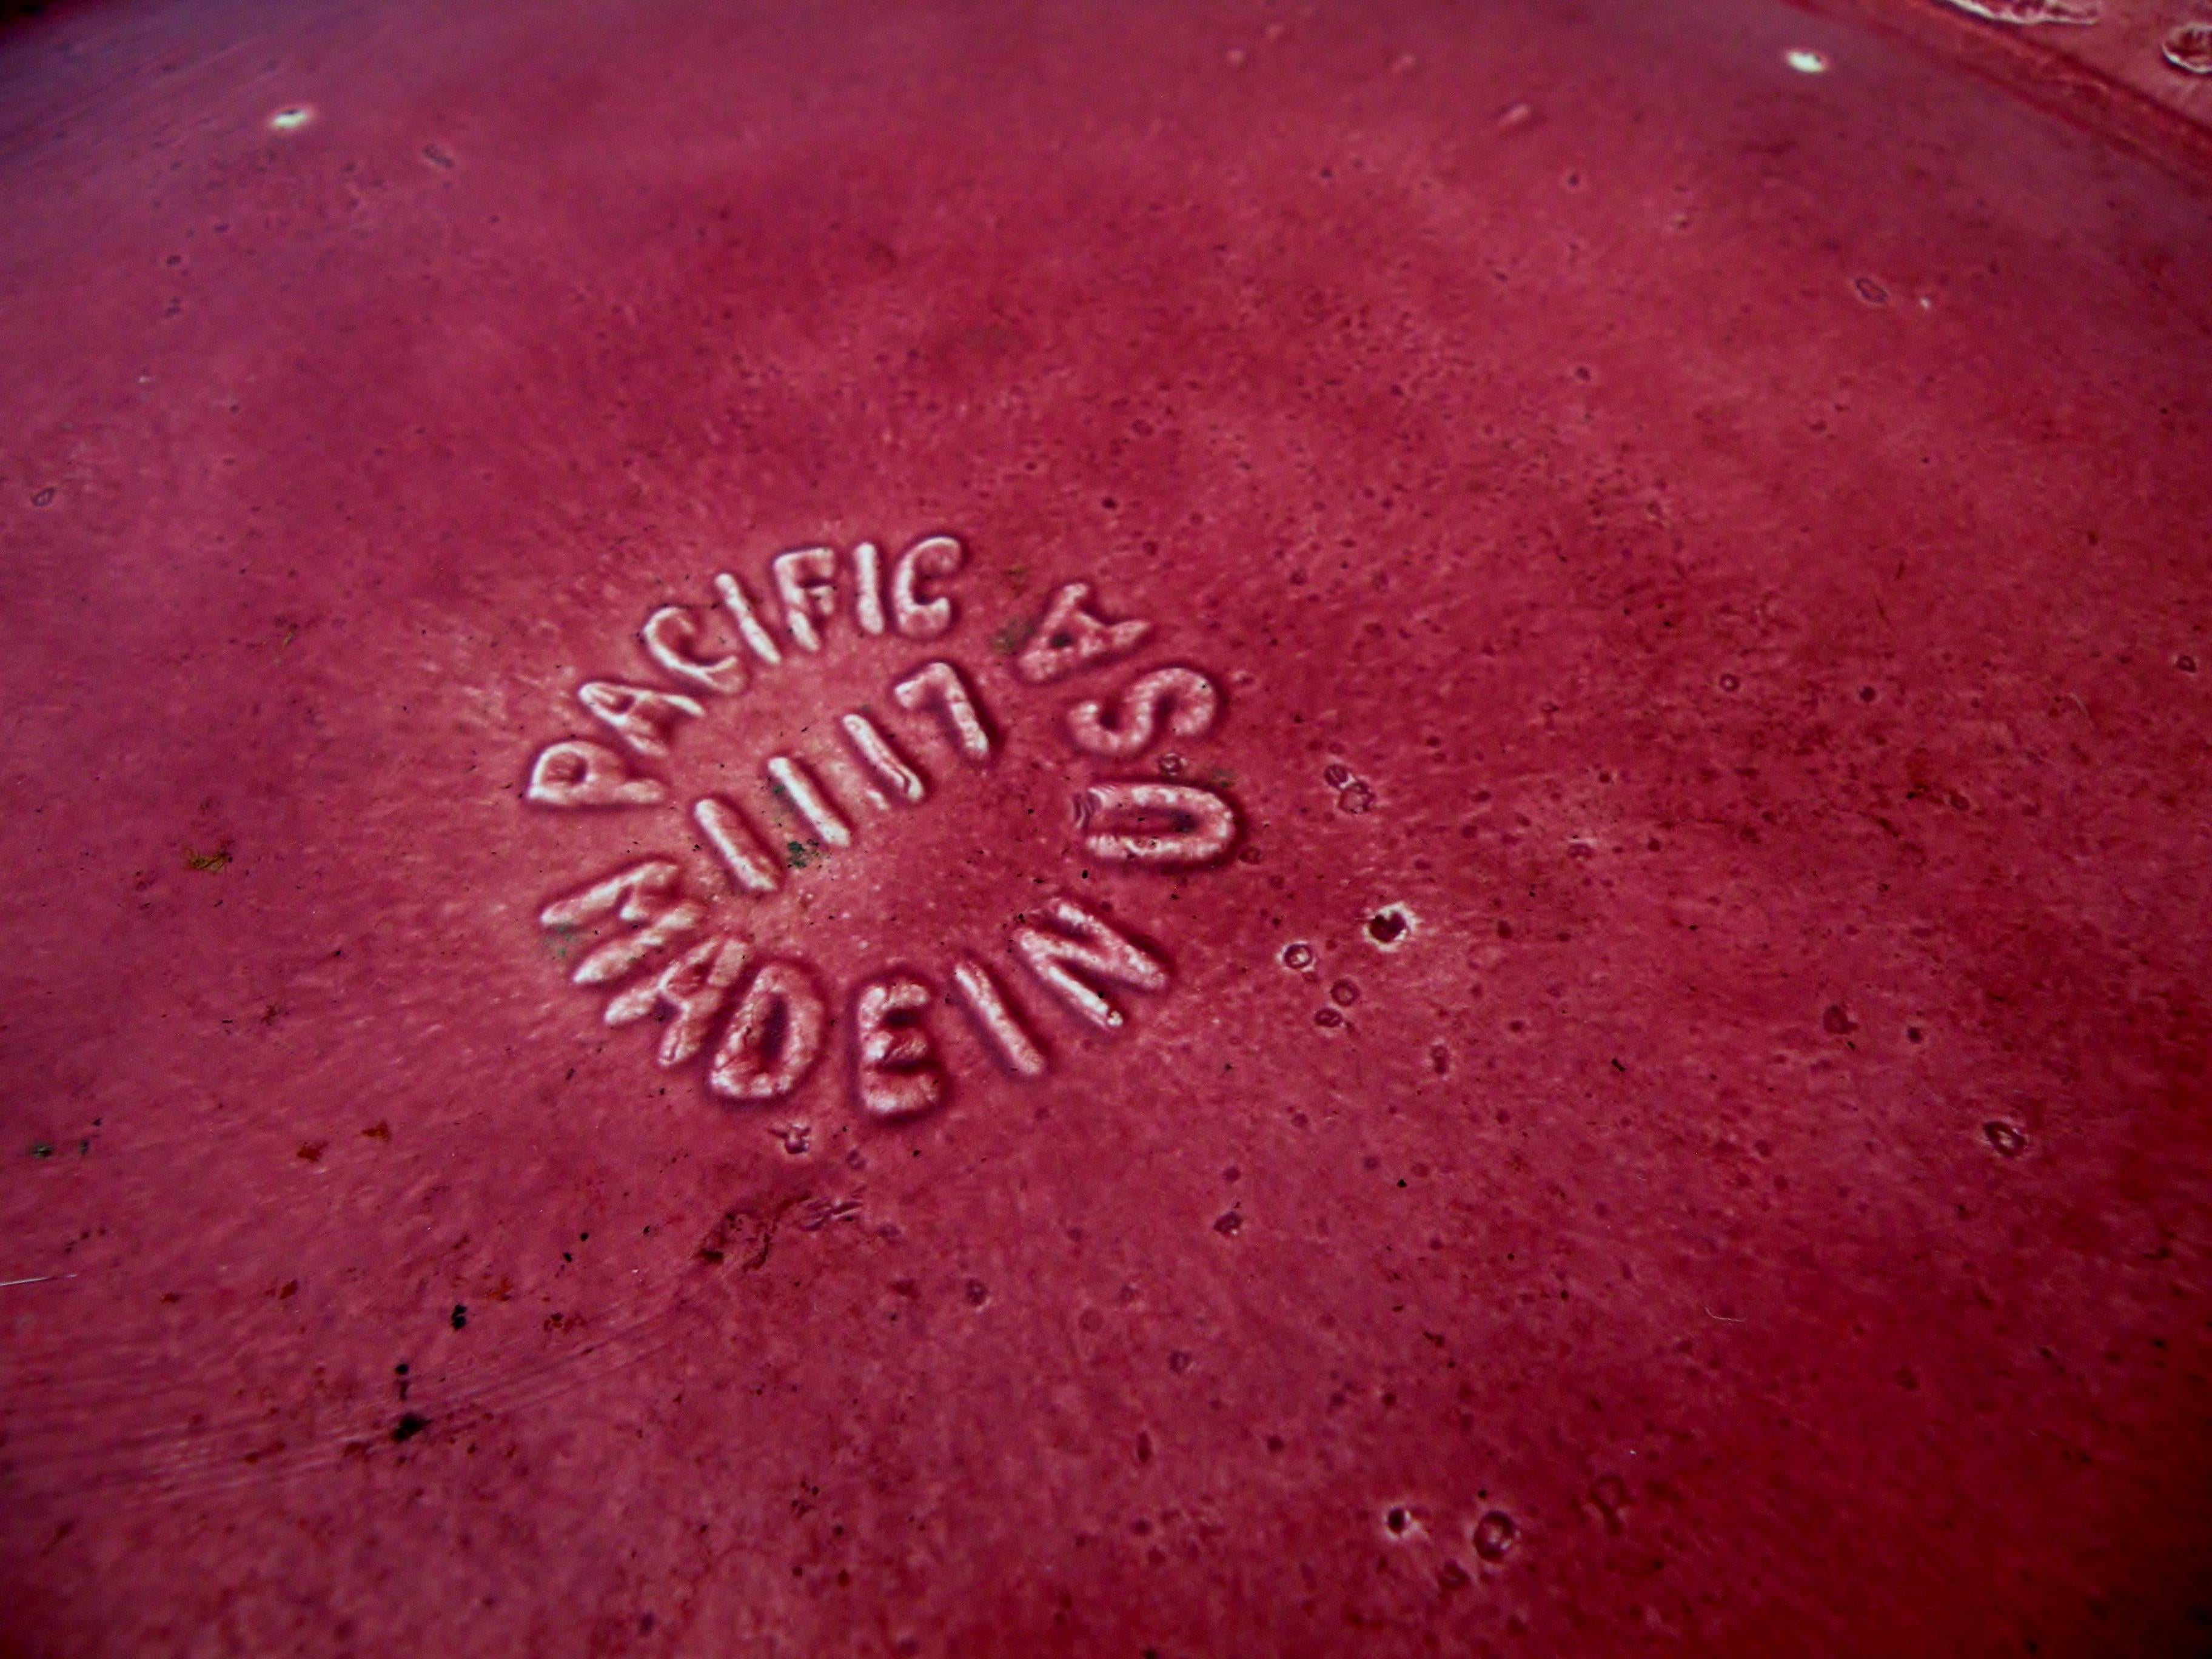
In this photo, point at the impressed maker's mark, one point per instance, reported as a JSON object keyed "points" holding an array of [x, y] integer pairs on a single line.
{"points": [[756, 1024]]}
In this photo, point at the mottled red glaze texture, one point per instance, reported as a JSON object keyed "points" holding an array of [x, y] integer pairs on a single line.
{"points": [[1724, 547], [2113, 71]]}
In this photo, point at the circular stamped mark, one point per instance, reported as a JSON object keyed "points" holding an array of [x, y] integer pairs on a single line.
{"points": [[706, 930]]}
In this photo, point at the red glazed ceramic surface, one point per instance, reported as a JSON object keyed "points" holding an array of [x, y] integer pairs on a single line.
{"points": [[1103, 830]]}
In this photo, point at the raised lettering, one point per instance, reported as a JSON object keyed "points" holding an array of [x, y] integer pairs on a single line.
{"points": [[868, 588], [938, 684], [644, 898], [669, 633], [737, 843], [739, 604], [774, 1036], [1083, 945], [636, 713], [881, 757], [806, 583], [1162, 824], [895, 1069], [1067, 638], [791, 781], [582, 773], [694, 987], [915, 617], [1187, 696], [995, 1019]]}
